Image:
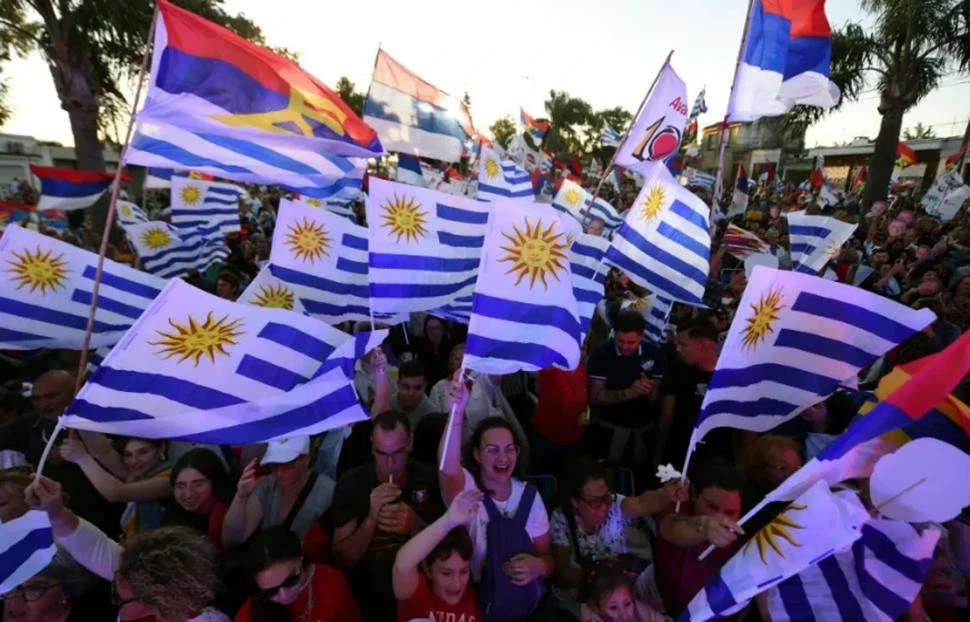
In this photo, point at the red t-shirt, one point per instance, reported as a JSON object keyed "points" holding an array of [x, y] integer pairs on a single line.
{"points": [[332, 600], [563, 396], [425, 604]]}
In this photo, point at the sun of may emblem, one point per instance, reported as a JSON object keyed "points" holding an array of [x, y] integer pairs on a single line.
{"points": [[190, 194], [193, 340], [125, 210], [492, 168], [156, 238], [275, 297], [314, 202], [38, 270], [761, 321], [640, 305], [653, 203], [573, 196], [772, 535], [403, 216], [536, 253], [308, 240]]}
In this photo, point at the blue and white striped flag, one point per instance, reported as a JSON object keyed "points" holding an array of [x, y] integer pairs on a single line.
{"points": [[46, 294], [524, 311], [813, 527], [158, 178], [409, 170], [265, 290], [204, 204], [199, 368], [425, 246], [664, 244], [700, 105], [340, 207], [129, 213], [877, 579], [794, 340], [26, 548], [610, 137], [656, 311], [572, 199], [460, 310], [501, 179], [816, 240], [171, 252], [589, 276], [602, 209]]}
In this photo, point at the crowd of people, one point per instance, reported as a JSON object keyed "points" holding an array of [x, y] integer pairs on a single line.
{"points": [[537, 500]]}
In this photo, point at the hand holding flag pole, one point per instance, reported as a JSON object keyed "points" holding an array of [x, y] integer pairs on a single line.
{"points": [[451, 421]]}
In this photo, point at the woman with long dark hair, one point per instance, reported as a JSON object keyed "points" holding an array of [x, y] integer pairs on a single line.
{"points": [[201, 494]]}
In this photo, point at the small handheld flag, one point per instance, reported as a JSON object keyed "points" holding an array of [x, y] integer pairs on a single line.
{"points": [[816, 240], [501, 179], [69, 189], [26, 548], [205, 204]]}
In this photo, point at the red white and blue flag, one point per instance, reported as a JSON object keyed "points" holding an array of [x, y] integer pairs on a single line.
{"points": [[68, 188], [537, 128], [786, 60]]}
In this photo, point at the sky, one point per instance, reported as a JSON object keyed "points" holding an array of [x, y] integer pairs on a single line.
{"points": [[507, 53]]}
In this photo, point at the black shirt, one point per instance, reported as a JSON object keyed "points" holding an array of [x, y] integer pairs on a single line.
{"points": [[688, 385], [620, 372]]}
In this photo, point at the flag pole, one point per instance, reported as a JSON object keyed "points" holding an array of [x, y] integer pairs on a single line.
{"points": [[725, 127], [109, 219], [609, 167], [448, 426]]}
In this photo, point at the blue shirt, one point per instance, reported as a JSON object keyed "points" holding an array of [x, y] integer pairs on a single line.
{"points": [[619, 372]]}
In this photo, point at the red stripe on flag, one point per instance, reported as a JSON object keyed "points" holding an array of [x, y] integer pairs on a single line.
{"points": [[73, 175], [934, 378]]}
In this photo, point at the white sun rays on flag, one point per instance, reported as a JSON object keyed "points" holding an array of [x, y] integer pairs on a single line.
{"points": [[46, 291], [200, 368], [524, 311], [169, 252]]}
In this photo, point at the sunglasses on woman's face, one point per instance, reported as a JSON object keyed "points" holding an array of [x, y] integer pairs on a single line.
{"points": [[291, 581]]}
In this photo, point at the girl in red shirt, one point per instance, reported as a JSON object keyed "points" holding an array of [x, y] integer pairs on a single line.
{"points": [[432, 570]]}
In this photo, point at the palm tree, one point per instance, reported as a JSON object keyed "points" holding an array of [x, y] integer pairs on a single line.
{"points": [[913, 45]]}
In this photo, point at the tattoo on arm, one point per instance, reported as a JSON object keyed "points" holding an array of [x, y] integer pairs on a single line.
{"points": [[694, 522], [607, 397]]}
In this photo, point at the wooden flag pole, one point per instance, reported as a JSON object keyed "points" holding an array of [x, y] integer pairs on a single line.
{"points": [[626, 136], [109, 219]]}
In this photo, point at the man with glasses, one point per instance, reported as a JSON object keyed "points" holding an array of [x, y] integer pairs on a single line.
{"points": [[377, 507]]}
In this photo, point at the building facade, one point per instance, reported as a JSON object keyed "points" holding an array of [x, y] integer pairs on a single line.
{"points": [[18, 152]]}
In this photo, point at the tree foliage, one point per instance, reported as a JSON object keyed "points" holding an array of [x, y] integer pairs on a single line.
{"points": [[351, 96], [919, 131], [568, 117], [503, 130]]}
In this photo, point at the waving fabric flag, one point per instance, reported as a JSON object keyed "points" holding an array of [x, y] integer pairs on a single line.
{"points": [[572, 199], [589, 276], [817, 524], [655, 134], [664, 244], [413, 116], [170, 252], [524, 312], [501, 179], [46, 294], [610, 137], [409, 170], [655, 310], [794, 340], [739, 200], [700, 105], [877, 579], [604, 211], [205, 204], [158, 178], [786, 60], [816, 240], [953, 160], [68, 188], [536, 128], [741, 243], [265, 290], [860, 178], [199, 368], [129, 213], [424, 247], [26, 548], [905, 156]]}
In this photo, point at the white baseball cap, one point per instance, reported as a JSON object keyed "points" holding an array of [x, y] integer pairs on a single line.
{"points": [[286, 450]]}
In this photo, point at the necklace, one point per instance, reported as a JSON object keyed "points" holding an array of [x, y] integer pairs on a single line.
{"points": [[309, 601]]}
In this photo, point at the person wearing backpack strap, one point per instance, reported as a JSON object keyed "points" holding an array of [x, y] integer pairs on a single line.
{"points": [[511, 558]]}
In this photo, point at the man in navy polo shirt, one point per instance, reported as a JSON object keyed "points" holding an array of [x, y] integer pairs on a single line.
{"points": [[624, 375]]}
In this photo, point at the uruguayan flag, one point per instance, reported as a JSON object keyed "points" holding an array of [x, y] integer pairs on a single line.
{"points": [[204, 204], [664, 244], [340, 207], [572, 199], [610, 137], [459, 311], [26, 548], [46, 294], [170, 252], [877, 579], [268, 291], [199, 368], [129, 213], [794, 340], [589, 276], [656, 311], [425, 246], [816, 240], [602, 209], [501, 179], [813, 527], [158, 178], [524, 312]]}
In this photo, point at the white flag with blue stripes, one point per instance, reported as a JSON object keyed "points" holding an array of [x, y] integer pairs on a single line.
{"points": [[664, 244], [877, 579], [46, 294], [656, 311], [816, 240], [572, 199], [170, 252], [524, 311], [200, 368], [128, 213], [205, 204], [811, 528], [794, 340], [26, 548], [589, 276], [602, 210], [265, 290], [501, 179], [340, 207], [425, 247], [610, 137], [158, 178]]}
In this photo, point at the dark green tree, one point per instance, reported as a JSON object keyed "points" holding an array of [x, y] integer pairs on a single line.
{"points": [[919, 131], [568, 117], [503, 130], [351, 96]]}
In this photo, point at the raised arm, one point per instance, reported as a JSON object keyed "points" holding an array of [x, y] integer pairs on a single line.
{"points": [[246, 510], [110, 487], [451, 477], [691, 531], [654, 501]]}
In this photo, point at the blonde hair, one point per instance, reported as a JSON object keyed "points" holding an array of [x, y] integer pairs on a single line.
{"points": [[754, 459]]}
